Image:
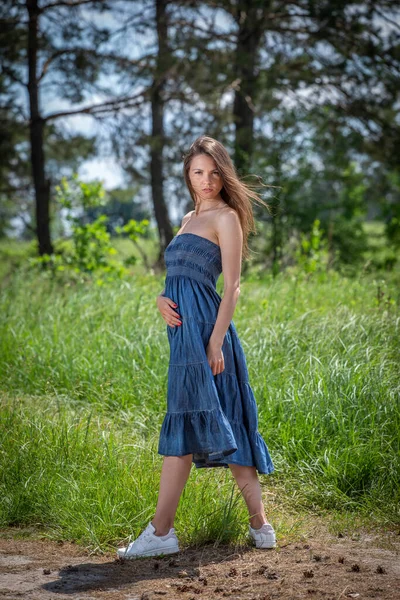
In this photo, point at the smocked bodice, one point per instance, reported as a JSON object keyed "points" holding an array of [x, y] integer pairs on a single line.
{"points": [[194, 256]]}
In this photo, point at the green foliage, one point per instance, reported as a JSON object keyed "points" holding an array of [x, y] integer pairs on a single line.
{"points": [[391, 210], [348, 233], [352, 192], [133, 230], [311, 253], [121, 207], [350, 240], [91, 249], [75, 194], [14, 255]]}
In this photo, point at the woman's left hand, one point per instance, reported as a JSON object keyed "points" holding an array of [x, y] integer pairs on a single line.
{"points": [[215, 358]]}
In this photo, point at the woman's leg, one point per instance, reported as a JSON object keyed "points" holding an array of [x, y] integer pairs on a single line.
{"points": [[174, 474], [249, 484]]}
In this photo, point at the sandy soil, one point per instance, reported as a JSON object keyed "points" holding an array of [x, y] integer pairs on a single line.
{"points": [[320, 566]]}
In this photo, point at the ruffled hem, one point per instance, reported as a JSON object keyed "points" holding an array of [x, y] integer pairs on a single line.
{"points": [[199, 431], [210, 437], [252, 452]]}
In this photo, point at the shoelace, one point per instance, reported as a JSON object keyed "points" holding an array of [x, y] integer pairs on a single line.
{"points": [[145, 534]]}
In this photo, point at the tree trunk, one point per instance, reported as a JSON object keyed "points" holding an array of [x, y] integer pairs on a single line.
{"points": [[157, 133], [36, 126], [249, 36]]}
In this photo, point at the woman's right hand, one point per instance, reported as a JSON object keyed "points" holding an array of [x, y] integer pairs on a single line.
{"points": [[166, 307]]}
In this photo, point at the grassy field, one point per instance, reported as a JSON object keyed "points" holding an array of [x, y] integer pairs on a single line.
{"points": [[83, 375]]}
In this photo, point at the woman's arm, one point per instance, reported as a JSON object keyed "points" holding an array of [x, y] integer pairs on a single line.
{"points": [[230, 237]]}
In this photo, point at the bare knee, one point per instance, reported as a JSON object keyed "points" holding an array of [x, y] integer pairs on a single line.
{"points": [[243, 473], [245, 477]]}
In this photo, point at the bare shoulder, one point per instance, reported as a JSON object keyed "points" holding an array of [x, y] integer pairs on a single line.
{"points": [[186, 217], [228, 221]]}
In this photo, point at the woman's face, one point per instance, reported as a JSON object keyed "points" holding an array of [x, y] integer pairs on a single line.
{"points": [[205, 177]]}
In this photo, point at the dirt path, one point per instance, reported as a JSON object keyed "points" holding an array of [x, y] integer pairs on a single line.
{"points": [[323, 566]]}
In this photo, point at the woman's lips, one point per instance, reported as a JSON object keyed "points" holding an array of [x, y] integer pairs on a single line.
{"points": [[207, 190]]}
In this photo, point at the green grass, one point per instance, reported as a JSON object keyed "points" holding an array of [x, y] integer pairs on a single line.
{"points": [[83, 376]]}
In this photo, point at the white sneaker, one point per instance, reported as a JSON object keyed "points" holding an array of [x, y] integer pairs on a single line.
{"points": [[149, 544], [263, 537]]}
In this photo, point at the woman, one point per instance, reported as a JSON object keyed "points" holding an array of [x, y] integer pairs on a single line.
{"points": [[211, 418]]}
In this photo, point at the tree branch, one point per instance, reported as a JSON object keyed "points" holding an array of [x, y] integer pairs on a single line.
{"points": [[49, 61], [110, 106], [68, 3], [12, 75], [386, 18], [122, 60]]}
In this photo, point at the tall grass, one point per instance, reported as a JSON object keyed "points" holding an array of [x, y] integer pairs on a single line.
{"points": [[83, 377], [86, 479]]}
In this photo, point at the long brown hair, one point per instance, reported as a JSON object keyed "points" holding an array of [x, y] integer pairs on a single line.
{"points": [[235, 192]]}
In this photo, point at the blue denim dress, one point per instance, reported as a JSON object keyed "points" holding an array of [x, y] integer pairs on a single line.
{"points": [[213, 417]]}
